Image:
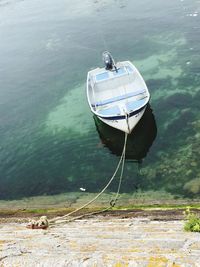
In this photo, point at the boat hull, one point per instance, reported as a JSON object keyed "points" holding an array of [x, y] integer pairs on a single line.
{"points": [[118, 98], [125, 124]]}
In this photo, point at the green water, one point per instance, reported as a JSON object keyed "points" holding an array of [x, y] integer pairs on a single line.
{"points": [[48, 138]]}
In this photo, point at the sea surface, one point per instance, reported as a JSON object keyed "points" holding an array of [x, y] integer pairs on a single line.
{"points": [[50, 142]]}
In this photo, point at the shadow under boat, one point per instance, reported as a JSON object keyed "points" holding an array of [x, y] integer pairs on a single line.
{"points": [[138, 142]]}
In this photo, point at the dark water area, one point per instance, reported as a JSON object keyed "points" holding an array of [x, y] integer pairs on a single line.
{"points": [[49, 142]]}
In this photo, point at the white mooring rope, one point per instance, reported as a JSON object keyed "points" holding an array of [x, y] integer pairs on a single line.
{"points": [[43, 223], [112, 203]]}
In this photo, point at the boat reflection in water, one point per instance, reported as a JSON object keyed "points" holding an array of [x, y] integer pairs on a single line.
{"points": [[138, 142]]}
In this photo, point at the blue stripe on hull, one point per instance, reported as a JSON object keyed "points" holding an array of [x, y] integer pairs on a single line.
{"points": [[123, 117]]}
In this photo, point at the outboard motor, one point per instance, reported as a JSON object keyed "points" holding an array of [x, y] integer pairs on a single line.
{"points": [[108, 61]]}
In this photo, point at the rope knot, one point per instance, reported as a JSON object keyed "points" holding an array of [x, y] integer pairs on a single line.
{"points": [[42, 223]]}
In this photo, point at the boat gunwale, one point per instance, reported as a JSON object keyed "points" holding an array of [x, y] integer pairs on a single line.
{"points": [[123, 117], [117, 116]]}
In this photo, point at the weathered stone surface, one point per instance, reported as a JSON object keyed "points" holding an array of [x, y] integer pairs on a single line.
{"points": [[100, 241]]}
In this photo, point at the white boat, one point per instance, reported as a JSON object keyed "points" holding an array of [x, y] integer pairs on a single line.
{"points": [[117, 94]]}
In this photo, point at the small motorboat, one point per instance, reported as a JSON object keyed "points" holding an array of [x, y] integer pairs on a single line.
{"points": [[117, 93]]}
